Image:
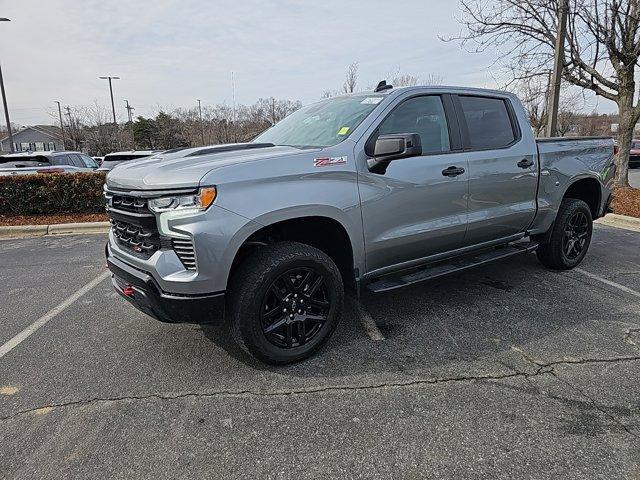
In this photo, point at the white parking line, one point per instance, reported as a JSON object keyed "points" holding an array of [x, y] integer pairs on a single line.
{"points": [[367, 322], [608, 282], [31, 329]]}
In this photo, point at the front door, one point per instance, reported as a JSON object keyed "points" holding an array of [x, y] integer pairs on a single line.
{"points": [[417, 207]]}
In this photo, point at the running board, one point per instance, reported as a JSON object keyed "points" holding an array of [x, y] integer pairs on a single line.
{"points": [[434, 270]]}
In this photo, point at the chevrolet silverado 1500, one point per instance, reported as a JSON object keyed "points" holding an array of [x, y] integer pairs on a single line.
{"points": [[363, 192]]}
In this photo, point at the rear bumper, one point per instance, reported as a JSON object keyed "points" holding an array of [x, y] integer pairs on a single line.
{"points": [[140, 289]]}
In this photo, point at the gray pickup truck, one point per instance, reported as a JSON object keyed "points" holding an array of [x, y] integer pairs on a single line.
{"points": [[361, 193]]}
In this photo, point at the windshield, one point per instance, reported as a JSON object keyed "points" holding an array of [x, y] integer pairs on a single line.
{"points": [[635, 145], [322, 124]]}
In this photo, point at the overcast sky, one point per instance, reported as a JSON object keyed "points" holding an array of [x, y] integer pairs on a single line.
{"points": [[168, 53]]}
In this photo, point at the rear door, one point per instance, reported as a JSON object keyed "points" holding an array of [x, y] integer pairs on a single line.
{"points": [[502, 168], [416, 208]]}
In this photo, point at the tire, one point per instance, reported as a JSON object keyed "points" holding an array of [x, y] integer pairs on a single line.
{"points": [[279, 278], [570, 236]]}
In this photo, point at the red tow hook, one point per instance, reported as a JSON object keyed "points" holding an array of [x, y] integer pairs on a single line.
{"points": [[128, 291]]}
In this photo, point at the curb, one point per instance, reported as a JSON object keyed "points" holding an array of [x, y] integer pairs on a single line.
{"points": [[27, 231], [620, 221]]}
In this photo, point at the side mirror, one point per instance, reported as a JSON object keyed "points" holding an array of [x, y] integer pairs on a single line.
{"points": [[393, 147]]}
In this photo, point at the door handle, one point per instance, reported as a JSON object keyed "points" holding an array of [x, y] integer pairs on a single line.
{"points": [[453, 171], [525, 163]]}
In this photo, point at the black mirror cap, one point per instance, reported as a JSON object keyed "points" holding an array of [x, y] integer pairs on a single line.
{"points": [[392, 147], [397, 145]]}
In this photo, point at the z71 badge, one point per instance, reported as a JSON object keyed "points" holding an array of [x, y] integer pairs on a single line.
{"points": [[328, 161]]}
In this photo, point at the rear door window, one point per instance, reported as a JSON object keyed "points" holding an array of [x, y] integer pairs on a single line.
{"points": [[488, 122]]}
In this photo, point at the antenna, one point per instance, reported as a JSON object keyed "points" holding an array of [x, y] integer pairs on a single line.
{"points": [[382, 86]]}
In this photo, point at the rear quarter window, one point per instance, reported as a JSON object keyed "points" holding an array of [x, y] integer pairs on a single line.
{"points": [[488, 122]]}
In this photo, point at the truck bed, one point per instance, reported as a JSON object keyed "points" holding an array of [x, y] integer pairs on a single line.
{"points": [[565, 160]]}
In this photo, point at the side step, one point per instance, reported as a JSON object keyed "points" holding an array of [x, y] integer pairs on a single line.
{"points": [[420, 274]]}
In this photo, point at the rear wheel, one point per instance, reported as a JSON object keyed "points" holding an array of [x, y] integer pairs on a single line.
{"points": [[287, 301], [570, 236]]}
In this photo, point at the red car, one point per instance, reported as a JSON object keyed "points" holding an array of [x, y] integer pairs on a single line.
{"points": [[634, 154]]}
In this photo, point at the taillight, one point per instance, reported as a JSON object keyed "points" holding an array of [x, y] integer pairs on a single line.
{"points": [[616, 149], [51, 170]]}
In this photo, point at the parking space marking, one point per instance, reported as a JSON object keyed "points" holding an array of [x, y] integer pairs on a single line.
{"points": [[368, 322], [31, 329], [608, 282]]}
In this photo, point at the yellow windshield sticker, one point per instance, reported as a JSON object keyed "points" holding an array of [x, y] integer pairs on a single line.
{"points": [[343, 131]]}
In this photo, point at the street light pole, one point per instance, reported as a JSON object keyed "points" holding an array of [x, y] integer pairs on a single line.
{"points": [[64, 143], [4, 102], [113, 107], [201, 124]]}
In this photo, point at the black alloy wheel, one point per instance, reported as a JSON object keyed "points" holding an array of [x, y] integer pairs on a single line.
{"points": [[295, 307], [569, 237], [575, 236]]}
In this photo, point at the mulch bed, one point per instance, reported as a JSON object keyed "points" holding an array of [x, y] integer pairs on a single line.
{"points": [[626, 201], [52, 219]]}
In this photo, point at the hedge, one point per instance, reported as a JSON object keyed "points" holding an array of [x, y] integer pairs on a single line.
{"points": [[52, 193]]}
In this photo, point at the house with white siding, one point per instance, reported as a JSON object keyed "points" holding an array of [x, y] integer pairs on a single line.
{"points": [[35, 138]]}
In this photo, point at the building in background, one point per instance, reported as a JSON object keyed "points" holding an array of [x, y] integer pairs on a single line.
{"points": [[34, 138]]}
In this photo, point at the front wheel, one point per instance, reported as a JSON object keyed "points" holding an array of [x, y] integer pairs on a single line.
{"points": [[570, 237], [287, 300]]}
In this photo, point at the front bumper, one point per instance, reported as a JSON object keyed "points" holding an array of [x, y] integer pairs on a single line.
{"points": [[142, 291]]}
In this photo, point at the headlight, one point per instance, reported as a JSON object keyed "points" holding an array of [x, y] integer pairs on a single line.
{"points": [[193, 202]]}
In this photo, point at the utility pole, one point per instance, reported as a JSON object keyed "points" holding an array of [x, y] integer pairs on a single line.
{"points": [[71, 129], [129, 110], [64, 143], [201, 124], [6, 113], [233, 96], [4, 102], [558, 63]]}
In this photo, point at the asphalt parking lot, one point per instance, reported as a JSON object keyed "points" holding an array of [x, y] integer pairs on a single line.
{"points": [[506, 371]]}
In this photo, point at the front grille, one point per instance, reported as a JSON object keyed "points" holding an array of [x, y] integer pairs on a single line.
{"points": [[143, 241], [135, 229], [129, 204], [185, 251]]}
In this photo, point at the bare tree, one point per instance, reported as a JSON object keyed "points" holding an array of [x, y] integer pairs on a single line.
{"points": [[600, 53], [272, 110], [351, 78], [404, 80], [533, 94]]}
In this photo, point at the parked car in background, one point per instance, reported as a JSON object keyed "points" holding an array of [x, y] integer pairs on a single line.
{"points": [[634, 154], [112, 159], [26, 163]]}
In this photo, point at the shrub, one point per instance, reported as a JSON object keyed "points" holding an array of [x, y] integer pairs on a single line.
{"points": [[50, 193]]}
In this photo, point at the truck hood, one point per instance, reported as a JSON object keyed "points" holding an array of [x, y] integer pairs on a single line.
{"points": [[164, 172]]}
